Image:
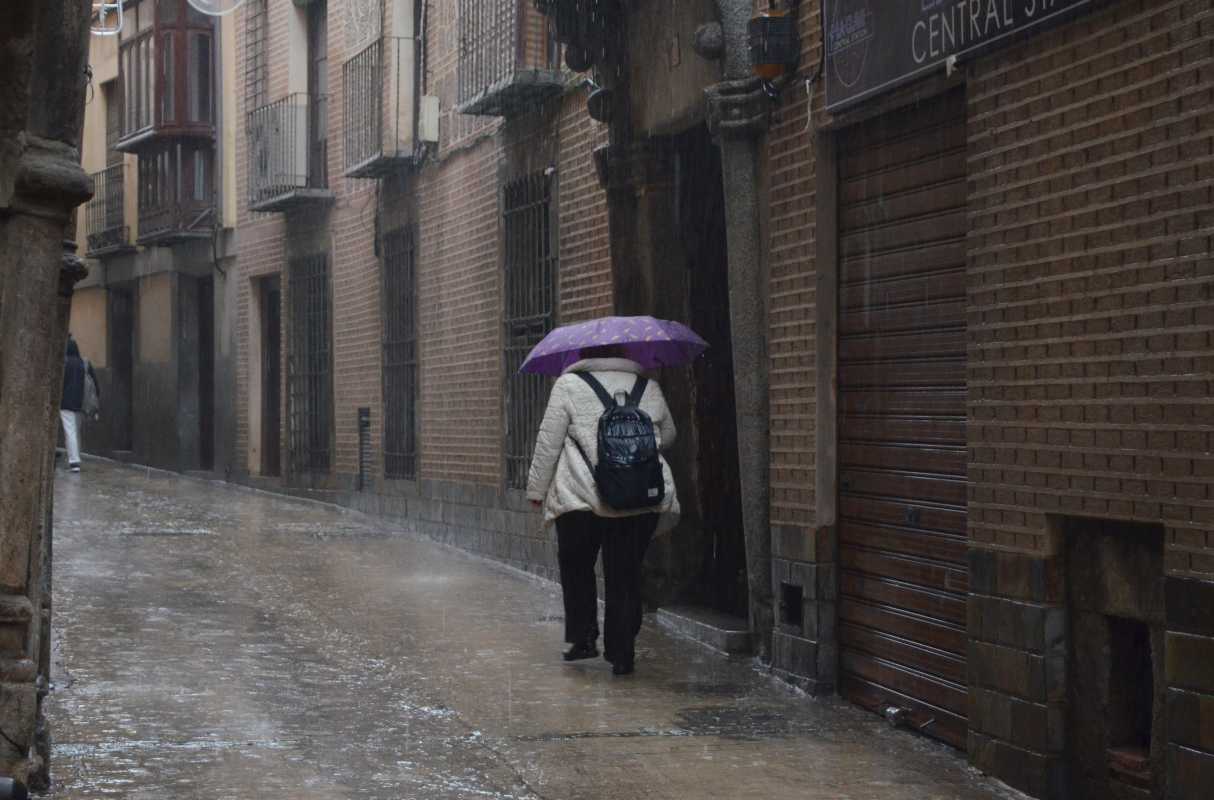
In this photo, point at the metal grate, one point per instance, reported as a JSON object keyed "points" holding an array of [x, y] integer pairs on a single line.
{"points": [[309, 365], [489, 44], [400, 353], [509, 59], [285, 154], [378, 113], [362, 79], [530, 289], [104, 213], [255, 65], [364, 446]]}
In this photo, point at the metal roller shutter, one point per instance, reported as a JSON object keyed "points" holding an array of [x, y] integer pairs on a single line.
{"points": [[902, 456]]}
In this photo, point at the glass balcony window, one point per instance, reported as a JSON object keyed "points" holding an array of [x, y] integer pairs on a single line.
{"points": [[166, 60]]}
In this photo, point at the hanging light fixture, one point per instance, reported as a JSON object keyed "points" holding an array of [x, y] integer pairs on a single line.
{"points": [[774, 46], [107, 19]]}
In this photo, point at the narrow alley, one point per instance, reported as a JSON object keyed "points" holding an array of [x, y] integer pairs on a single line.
{"points": [[213, 642]]}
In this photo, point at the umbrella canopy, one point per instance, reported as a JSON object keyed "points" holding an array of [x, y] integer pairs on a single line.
{"points": [[650, 342]]}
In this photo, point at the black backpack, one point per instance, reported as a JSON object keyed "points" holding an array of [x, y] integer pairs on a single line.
{"points": [[629, 473]]}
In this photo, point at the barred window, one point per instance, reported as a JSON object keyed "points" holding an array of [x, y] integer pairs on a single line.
{"points": [[400, 353], [530, 290], [112, 96], [255, 65], [309, 365]]}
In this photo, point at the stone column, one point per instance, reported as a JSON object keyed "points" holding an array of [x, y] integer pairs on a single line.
{"points": [[738, 115], [41, 112]]}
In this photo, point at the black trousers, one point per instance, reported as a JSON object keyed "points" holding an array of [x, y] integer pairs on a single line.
{"points": [[623, 540]]}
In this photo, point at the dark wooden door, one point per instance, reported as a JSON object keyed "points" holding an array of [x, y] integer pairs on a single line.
{"points": [[120, 400], [902, 456], [271, 377], [206, 373]]}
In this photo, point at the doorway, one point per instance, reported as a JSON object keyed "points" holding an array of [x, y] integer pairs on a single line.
{"points": [[722, 583], [119, 401], [270, 298], [206, 373]]}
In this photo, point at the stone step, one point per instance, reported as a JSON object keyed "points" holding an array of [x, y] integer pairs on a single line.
{"points": [[714, 629]]}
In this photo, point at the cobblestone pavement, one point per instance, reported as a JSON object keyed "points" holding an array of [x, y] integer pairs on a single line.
{"points": [[214, 642]]}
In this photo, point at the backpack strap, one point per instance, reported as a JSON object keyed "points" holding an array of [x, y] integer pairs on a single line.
{"points": [[638, 391], [599, 389], [585, 457]]}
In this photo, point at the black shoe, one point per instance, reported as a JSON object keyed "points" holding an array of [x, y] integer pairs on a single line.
{"points": [[622, 668], [580, 651]]}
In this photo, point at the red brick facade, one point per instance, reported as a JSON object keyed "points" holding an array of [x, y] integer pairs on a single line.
{"points": [[454, 200], [1091, 157], [792, 236], [1090, 262]]}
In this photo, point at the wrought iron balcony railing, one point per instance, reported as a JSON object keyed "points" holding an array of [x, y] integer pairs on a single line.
{"points": [[174, 222], [288, 153], [105, 216], [380, 107], [509, 62]]}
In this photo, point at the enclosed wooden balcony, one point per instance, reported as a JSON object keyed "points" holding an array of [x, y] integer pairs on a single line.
{"points": [[509, 62], [176, 193], [167, 70], [288, 154]]}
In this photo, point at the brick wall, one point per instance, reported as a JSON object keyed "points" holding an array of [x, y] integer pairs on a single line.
{"points": [[585, 250], [791, 220], [1091, 157], [455, 204], [459, 285], [1091, 267], [804, 653]]}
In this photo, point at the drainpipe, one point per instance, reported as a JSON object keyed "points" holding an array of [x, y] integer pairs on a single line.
{"points": [[738, 111]]}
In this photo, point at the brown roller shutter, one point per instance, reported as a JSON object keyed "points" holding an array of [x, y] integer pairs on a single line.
{"points": [[902, 456]]}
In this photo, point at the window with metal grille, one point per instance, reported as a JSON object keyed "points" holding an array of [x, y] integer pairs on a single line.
{"points": [[309, 365], [530, 290], [255, 65], [112, 97], [400, 353]]}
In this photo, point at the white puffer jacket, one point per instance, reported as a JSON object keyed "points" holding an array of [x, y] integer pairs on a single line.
{"points": [[560, 478]]}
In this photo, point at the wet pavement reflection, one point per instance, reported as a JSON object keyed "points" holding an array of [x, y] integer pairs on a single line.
{"points": [[215, 642]]}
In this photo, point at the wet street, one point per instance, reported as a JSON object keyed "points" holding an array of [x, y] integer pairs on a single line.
{"points": [[214, 642]]}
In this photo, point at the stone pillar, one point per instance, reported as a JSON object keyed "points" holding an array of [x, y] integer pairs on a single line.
{"points": [[41, 112], [738, 115]]}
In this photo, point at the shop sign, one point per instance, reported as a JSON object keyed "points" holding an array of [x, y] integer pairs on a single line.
{"points": [[875, 45]]}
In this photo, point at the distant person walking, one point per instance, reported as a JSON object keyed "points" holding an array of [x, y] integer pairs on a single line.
{"points": [[565, 482], [81, 396]]}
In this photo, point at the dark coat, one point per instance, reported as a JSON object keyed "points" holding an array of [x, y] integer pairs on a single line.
{"points": [[73, 379]]}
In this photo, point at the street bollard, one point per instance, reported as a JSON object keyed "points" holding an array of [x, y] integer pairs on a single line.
{"points": [[12, 790]]}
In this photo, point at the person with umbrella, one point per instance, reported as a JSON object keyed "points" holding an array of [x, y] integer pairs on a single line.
{"points": [[598, 472]]}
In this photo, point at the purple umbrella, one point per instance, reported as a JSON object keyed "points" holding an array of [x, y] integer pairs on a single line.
{"points": [[650, 342]]}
